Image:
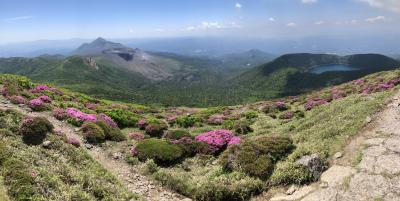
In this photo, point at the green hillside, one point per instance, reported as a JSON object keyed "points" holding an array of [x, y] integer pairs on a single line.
{"points": [[200, 82], [202, 153]]}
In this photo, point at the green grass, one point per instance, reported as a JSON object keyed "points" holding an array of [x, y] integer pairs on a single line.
{"points": [[3, 191], [61, 172]]}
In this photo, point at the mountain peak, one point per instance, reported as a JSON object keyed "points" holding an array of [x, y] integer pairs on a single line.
{"points": [[97, 46]]}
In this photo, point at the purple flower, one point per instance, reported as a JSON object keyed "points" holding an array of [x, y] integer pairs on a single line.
{"points": [[45, 99], [17, 100], [217, 139], [81, 116], [108, 120], [142, 123], [60, 114], [314, 102], [73, 141], [134, 152], [234, 140], [136, 135], [216, 119], [36, 102], [42, 88], [281, 105]]}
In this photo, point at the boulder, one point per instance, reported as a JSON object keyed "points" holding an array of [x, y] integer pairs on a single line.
{"points": [[313, 163]]}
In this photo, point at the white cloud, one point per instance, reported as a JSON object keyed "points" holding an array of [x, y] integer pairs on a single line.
{"points": [[376, 19], [319, 22], [393, 5], [159, 30], [271, 19], [238, 5], [213, 25], [291, 24], [309, 1], [27, 17]]}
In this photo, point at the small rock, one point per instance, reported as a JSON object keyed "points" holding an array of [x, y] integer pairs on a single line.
{"points": [[117, 155], [368, 119], [76, 129], [313, 163], [338, 155], [291, 190], [46, 144], [88, 146]]}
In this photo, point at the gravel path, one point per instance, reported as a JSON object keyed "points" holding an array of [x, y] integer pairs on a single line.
{"points": [[376, 173], [128, 174]]}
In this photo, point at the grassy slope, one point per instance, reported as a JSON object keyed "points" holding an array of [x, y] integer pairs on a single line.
{"points": [[3, 191], [63, 171]]}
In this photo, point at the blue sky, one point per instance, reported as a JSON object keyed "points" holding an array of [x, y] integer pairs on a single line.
{"points": [[27, 20]]}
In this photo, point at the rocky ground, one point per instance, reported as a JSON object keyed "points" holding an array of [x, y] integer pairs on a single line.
{"points": [[367, 169], [129, 175]]}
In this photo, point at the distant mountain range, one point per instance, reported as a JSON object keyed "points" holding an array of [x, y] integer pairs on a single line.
{"points": [[114, 71]]}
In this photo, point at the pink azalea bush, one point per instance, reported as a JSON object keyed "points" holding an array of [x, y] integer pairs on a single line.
{"points": [[108, 120], [142, 123], [134, 152], [37, 104], [234, 140], [45, 99], [136, 135], [17, 99], [73, 141], [81, 116], [216, 119], [60, 114], [314, 103], [42, 88], [217, 140], [281, 105], [337, 93]]}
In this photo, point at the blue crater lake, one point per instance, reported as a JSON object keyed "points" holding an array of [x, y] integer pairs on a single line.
{"points": [[331, 67]]}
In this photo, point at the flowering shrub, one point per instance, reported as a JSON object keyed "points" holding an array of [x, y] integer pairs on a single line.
{"points": [[217, 139], [134, 152], [216, 119], [142, 123], [191, 147], [35, 129], [136, 136], [234, 141], [60, 114], [281, 105], [42, 88], [81, 116], [73, 141], [337, 93], [171, 119], [314, 102], [108, 120], [17, 99], [286, 115], [45, 99], [37, 105]]}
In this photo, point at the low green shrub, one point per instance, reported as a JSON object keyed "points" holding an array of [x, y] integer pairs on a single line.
{"points": [[242, 127], [150, 167], [176, 134], [290, 173], [188, 121], [124, 118], [93, 133], [111, 133], [161, 151], [35, 129], [250, 115], [19, 179], [155, 127], [256, 156]]}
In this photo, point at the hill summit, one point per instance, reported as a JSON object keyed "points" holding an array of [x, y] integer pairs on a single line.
{"points": [[96, 47]]}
